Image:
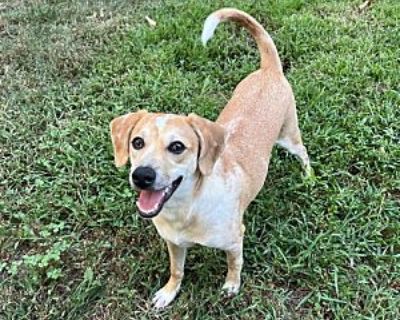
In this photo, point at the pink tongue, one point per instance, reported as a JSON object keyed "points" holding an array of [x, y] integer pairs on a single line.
{"points": [[149, 200]]}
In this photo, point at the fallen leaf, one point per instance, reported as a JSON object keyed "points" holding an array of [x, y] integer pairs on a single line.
{"points": [[150, 21], [364, 5]]}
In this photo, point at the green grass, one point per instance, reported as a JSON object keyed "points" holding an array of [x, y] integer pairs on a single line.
{"points": [[71, 243]]}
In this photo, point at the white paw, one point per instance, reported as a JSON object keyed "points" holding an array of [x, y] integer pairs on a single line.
{"points": [[231, 288], [163, 297]]}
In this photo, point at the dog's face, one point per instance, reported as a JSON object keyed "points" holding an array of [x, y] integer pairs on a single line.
{"points": [[167, 153]]}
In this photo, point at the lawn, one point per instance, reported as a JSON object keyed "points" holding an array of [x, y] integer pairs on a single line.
{"points": [[71, 243]]}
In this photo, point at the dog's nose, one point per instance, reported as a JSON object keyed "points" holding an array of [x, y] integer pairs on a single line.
{"points": [[144, 177]]}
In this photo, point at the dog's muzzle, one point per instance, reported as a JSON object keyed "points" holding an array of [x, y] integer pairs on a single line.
{"points": [[151, 200]]}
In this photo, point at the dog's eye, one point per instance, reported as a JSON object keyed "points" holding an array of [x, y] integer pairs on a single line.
{"points": [[176, 147], [138, 143]]}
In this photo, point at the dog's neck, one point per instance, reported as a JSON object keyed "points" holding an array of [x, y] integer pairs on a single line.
{"points": [[178, 207], [181, 206]]}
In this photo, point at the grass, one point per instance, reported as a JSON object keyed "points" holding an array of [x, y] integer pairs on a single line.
{"points": [[71, 243]]}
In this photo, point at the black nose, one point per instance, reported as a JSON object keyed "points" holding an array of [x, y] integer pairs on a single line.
{"points": [[143, 177]]}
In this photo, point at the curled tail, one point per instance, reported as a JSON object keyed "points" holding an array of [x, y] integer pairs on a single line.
{"points": [[269, 54]]}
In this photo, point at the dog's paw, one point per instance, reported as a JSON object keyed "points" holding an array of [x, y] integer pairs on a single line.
{"points": [[163, 297], [231, 288]]}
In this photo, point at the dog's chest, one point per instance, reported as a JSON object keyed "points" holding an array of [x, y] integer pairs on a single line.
{"points": [[216, 228], [178, 236], [211, 220]]}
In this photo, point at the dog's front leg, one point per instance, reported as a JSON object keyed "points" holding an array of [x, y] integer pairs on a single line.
{"points": [[235, 262], [177, 257]]}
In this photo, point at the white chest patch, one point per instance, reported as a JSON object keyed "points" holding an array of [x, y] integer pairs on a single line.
{"points": [[215, 219], [161, 121]]}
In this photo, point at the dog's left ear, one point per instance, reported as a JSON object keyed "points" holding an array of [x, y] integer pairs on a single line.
{"points": [[121, 128], [211, 141]]}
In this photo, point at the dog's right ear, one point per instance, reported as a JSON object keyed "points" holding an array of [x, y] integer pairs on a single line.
{"points": [[121, 128], [211, 142]]}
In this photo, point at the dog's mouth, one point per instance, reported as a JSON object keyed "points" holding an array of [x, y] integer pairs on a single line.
{"points": [[151, 202]]}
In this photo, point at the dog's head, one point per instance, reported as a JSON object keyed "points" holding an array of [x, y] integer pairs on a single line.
{"points": [[168, 153]]}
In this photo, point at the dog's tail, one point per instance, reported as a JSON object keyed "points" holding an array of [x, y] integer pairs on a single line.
{"points": [[269, 54]]}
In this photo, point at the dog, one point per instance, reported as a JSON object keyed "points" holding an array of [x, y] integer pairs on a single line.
{"points": [[196, 177]]}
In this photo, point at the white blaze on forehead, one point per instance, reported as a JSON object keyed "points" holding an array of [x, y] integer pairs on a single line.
{"points": [[161, 121]]}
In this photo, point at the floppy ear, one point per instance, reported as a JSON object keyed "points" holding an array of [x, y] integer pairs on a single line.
{"points": [[211, 142], [121, 128]]}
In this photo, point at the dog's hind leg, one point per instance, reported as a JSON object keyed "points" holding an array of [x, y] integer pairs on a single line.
{"points": [[290, 139], [165, 295]]}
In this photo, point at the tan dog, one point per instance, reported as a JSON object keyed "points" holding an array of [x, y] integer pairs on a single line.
{"points": [[197, 177]]}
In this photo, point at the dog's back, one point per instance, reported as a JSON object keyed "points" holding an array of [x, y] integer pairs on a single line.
{"points": [[254, 116]]}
